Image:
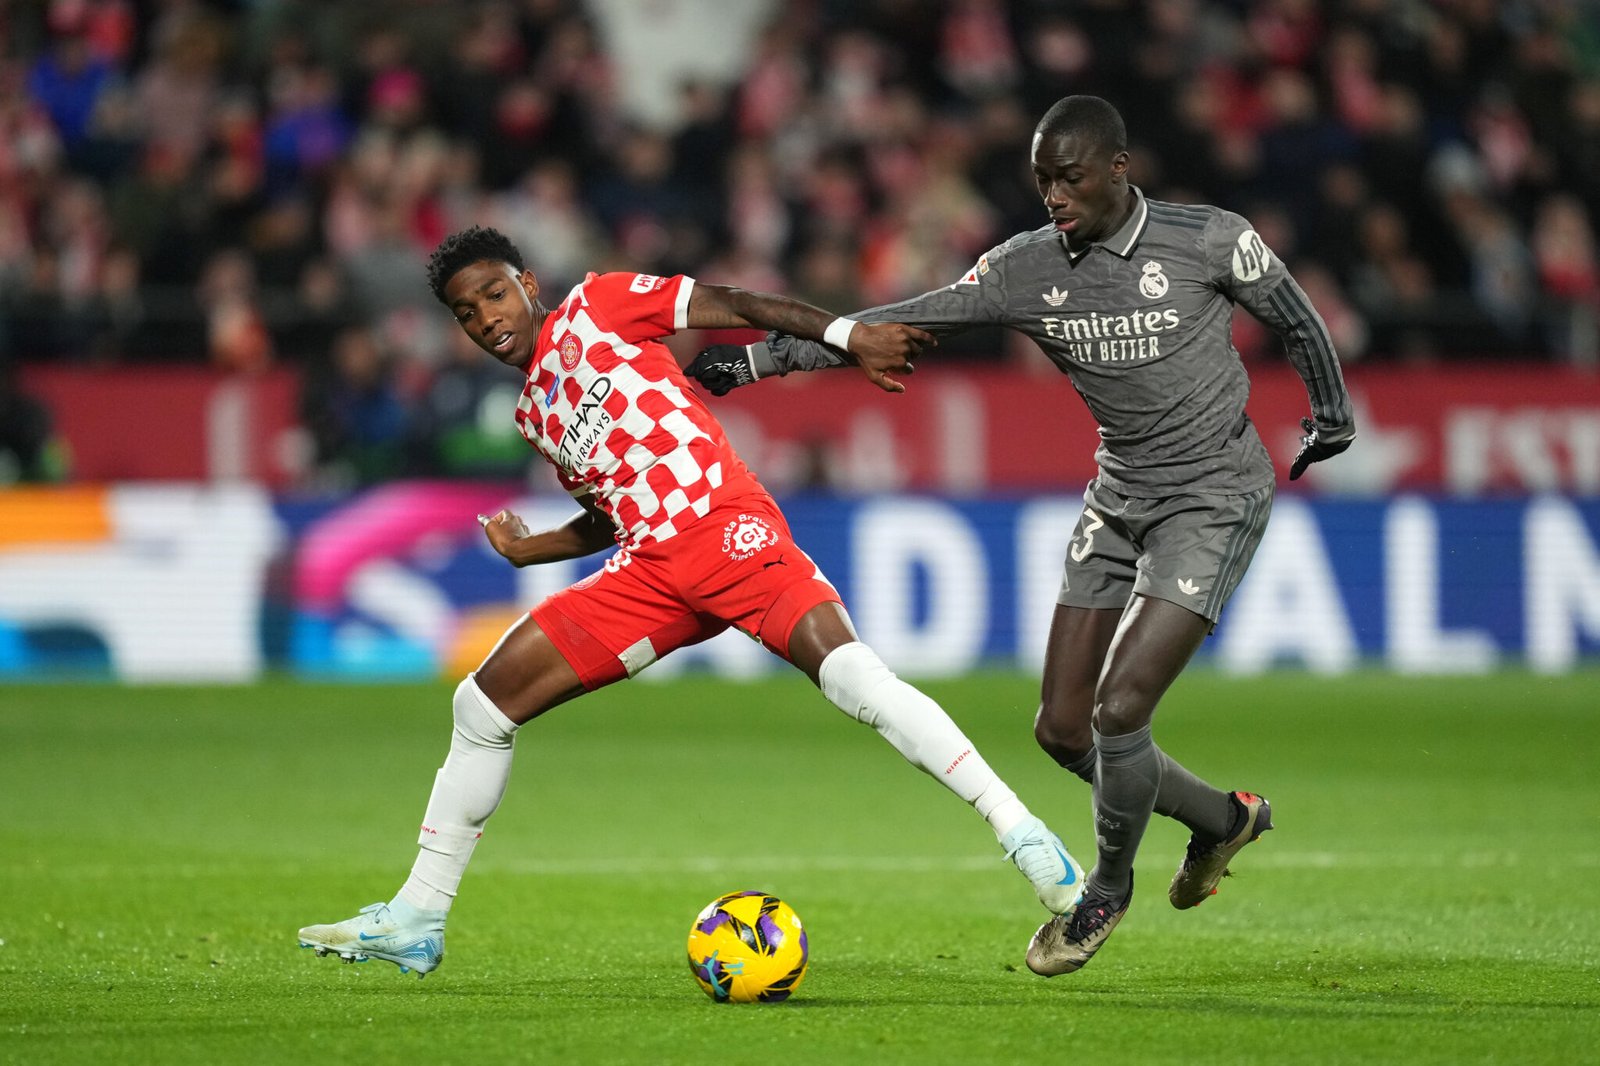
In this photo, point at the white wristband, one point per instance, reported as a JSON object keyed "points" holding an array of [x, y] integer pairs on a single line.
{"points": [[838, 332]]}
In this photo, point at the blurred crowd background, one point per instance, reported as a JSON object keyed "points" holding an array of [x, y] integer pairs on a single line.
{"points": [[254, 184]]}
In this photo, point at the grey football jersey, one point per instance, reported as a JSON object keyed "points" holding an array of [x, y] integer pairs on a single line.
{"points": [[1141, 323]]}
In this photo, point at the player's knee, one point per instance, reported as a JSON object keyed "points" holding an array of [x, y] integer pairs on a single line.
{"points": [[1117, 713], [1064, 741], [477, 719], [848, 676]]}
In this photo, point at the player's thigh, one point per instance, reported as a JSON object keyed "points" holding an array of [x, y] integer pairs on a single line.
{"points": [[1153, 643], [526, 675], [615, 623], [814, 637], [1197, 547], [1074, 655]]}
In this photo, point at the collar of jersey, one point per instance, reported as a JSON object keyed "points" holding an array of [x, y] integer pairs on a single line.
{"points": [[1127, 236]]}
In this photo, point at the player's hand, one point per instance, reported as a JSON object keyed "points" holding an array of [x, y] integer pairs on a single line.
{"points": [[886, 349], [722, 368], [1319, 444], [503, 530]]}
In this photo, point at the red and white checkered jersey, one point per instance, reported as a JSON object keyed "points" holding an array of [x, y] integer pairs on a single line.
{"points": [[606, 403]]}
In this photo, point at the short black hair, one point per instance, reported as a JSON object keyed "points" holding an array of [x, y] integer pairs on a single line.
{"points": [[477, 244], [1091, 117]]}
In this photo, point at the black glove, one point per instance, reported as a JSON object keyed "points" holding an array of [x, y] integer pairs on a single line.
{"points": [[723, 368], [1315, 446]]}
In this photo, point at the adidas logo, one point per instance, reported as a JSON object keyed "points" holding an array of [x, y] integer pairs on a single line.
{"points": [[1055, 297], [1187, 587]]}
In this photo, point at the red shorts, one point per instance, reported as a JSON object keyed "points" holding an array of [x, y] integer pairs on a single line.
{"points": [[738, 566]]}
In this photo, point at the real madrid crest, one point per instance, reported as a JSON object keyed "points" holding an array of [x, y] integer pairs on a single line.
{"points": [[1154, 283]]}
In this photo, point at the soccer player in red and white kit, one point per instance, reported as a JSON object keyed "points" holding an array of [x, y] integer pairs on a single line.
{"points": [[702, 547]]}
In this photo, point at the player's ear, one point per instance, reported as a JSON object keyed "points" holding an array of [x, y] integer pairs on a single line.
{"points": [[529, 283]]}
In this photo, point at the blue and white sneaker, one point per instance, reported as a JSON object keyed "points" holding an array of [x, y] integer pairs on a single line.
{"points": [[1057, 879], [395, 932]]}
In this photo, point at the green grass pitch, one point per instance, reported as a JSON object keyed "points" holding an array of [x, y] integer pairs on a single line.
{"points": [[1429, 895]]}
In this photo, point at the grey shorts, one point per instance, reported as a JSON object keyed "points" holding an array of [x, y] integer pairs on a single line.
{"points": [[1191, 550]]}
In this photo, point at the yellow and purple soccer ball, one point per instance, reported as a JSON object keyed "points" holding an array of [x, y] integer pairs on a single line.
{"points": [[748, 947]]}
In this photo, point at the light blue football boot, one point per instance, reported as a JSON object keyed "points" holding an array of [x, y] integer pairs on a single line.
{"points": [[395, 932], [1056, 877]]}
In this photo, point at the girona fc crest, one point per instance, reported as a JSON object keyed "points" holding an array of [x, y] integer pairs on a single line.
{"points": [[745, 536], [571, 352]]}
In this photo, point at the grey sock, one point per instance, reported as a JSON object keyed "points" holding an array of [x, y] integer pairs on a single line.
{"points": [[1083, 765], [1181, 796], [1127, 778], [1205, 810]]}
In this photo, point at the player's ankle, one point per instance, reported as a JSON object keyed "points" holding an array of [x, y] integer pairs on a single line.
{"points": [[419, 901], [1241, 814]]}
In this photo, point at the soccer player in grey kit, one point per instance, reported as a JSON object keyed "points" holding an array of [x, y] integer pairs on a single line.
{"points": [[1132, 298]]}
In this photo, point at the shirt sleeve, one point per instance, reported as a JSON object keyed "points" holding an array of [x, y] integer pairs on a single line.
{"points": [[640, 307], [978, 298], [1245, 269]]}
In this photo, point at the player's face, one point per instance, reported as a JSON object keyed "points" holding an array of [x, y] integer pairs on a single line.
{"points": [[1082, 185], [495, 306]]}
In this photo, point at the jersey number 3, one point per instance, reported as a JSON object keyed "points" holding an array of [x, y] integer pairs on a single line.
{"points": [[1092, 522]]}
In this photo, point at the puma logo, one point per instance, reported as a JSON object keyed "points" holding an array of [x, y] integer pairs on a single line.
{"points": [[776, 562]]}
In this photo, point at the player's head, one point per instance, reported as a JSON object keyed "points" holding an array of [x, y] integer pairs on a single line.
{"points": [[1080, 166], [476, 244], [479, 275]]}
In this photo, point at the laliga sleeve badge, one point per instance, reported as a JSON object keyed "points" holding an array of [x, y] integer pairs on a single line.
{"points": [[978, 269]]}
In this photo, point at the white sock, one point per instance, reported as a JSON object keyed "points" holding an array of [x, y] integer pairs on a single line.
{"points": [[466, 791], [860, 685]]}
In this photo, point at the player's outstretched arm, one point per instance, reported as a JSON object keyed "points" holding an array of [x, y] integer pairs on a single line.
{"points": [[584, 533], [935, 314], [882, 349]]}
